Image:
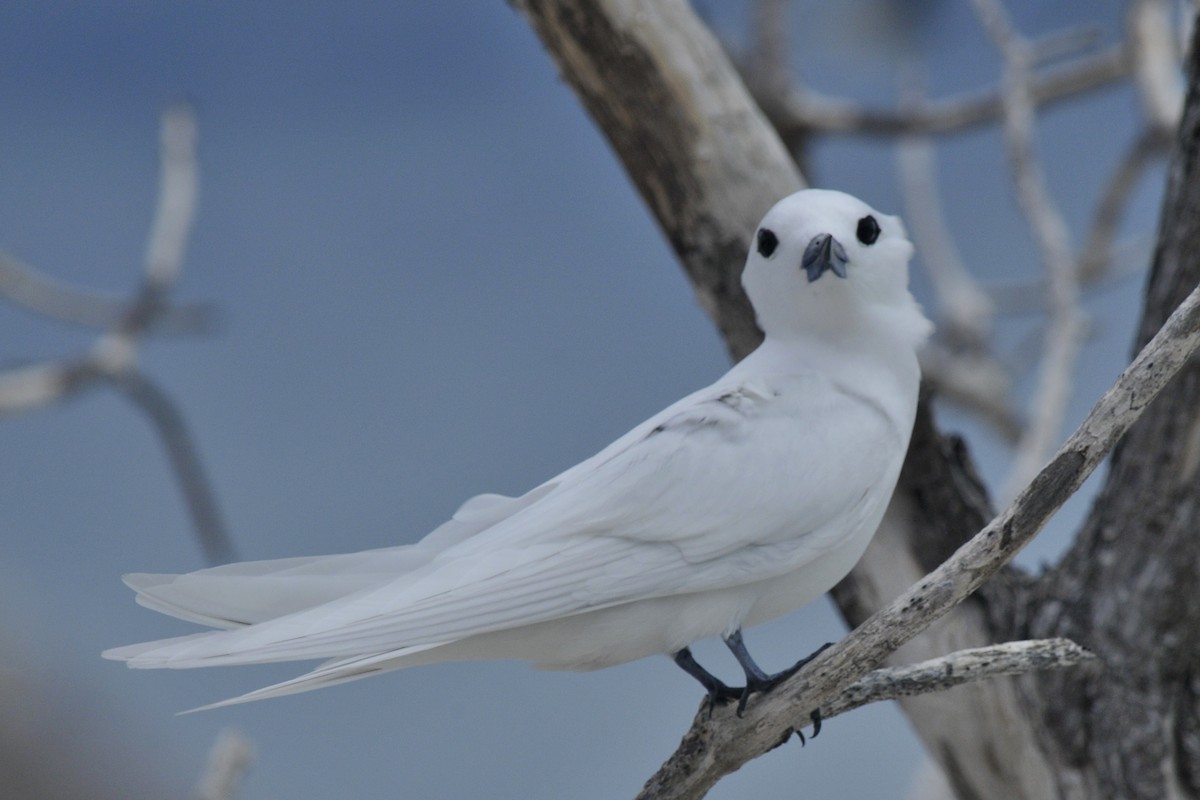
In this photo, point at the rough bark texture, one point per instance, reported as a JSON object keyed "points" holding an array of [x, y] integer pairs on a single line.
{"points": [[1127, 589], [696, 146], [708, 165]]}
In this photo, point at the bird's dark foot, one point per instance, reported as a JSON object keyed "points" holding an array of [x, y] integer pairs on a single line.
{"points": [[721, 694], [758, 681], [717, 691], [764, 684], [799, 664], [799, 734]]}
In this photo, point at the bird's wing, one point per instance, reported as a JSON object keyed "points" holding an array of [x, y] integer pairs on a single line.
{"points": [[235, 595], [731, 486]]}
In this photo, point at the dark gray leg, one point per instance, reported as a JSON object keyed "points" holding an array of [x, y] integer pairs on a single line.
{"points": [[716, 689], [759, 681]]}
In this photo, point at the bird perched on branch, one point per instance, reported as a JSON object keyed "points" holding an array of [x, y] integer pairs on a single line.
{"points": [[737, 504]]}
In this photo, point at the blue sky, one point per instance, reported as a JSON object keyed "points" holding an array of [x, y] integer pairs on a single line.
{"points": [[434, 280]]}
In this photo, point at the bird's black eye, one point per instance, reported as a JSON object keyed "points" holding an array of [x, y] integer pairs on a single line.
{"points": [[767, 242], [868, 230]]}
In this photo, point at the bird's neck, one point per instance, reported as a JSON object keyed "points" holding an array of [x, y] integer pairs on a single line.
{"points": [[862, 359]]}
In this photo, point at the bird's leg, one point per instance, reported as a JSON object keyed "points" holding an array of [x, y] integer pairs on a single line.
{"points": [[759, 681], [716, 689]]}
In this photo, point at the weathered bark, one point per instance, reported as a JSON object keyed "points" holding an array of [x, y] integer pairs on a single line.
{"points": [[1127, 588], [697, 147], [707, 164]]}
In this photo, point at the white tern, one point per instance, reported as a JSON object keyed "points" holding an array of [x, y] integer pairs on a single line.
{"points": [[737, 504]]}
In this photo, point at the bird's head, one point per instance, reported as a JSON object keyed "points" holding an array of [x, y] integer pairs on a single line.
{"points": [[821, 261]]}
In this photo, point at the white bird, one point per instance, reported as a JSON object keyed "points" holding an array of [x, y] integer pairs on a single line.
{"points": [[735, 505]]}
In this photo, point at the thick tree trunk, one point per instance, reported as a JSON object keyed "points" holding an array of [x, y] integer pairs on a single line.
{"points": [[707, 164], [1127, 589]]}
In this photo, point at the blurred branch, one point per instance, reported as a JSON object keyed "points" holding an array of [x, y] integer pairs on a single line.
{"points": [[177, 191], [803, 112], [957, 362], [230, 759], [27, 287], [1097, 255], [1066, 330], [717, 746], [969, 312], [185, 462], [955, 669], [1157, 68], [113, 356]]}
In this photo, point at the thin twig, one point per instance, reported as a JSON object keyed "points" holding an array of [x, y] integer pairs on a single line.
{"points": [[1097, 254], [978, 382], [957, 363], [969, 312], [26, 286], [805, 112], [230, 759], [113, 356], [1157, 67], [955, 669], [185, 462], [718, 746], [1066, 330], [178, 188]]}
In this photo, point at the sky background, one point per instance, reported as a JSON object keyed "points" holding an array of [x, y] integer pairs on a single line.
{"points": [[434, 280]]}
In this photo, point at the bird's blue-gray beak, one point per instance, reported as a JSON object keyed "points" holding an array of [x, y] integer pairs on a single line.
{"points": [[824, 253]]}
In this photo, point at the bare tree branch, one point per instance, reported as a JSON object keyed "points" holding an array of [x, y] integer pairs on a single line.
{"points": [[230, 759], [805, 112], [718, 746], [699, 150], [177, 192], [27, 287], [957, 361], [968, 312], [1156, 63], [939, 500], [181, 450], [1097, 254], [1067, 328], [955, 669], [113, 356]]}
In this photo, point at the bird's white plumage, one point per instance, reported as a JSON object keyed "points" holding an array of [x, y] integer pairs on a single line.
{"points": [[734, 505]]}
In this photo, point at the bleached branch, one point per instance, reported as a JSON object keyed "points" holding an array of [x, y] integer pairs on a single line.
{"points": [[26, 286], [718, 746], [1097, 255], [177, 191], [1067, 329], [231, 757], [185, 462], [1157, 71], [967, 309], [955, 669], [806, 112], [113, 356]]}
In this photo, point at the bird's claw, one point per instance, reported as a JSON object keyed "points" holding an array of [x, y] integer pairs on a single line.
{"points": [[720, 694]]}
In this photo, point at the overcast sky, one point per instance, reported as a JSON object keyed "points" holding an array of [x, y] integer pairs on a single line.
{"points": [[434, 280]]}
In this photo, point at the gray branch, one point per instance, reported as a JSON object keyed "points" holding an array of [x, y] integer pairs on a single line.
{"points": [[185, 462], [714, 748], [27, 287], [806, 112], [113, 355], [956, 669]]}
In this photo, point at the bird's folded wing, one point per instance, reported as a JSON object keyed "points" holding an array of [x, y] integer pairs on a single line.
{"points": [[234, 595], [730, 488]]}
